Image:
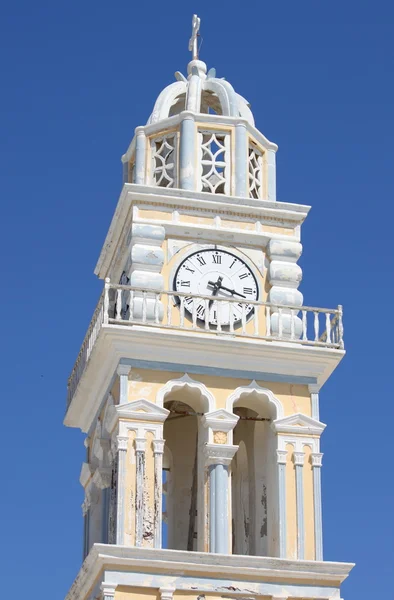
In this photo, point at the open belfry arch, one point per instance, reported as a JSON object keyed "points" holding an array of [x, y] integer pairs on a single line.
{"points": [[197, 383]]}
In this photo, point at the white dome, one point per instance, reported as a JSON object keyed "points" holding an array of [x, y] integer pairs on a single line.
{"points": [[200, 92]]}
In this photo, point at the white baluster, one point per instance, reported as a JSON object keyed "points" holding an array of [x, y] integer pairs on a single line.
{"points": [[243, 317], [231, 316], [131, 305], [256, 319], [182, 312], [280, 328], [292, 332], [316, 325], [219, 309], [304, 326], [328, 328], [118, 311], [194, 313], [340, 327], [144, 306], [206, 314], [169, 310], [106, 298], [157, 309], [268, 320]]}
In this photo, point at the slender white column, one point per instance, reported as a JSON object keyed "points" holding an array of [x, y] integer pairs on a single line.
{"points": [[140, 154], [271, 175], [140, 445], [123, 372], [314, 392], [281, 456], [86, 526], [187, 165], [108, 591], [166, 593], [158, 450], [219, 457], [122, 449], [299, 464], [241, 160], [317, 504]]}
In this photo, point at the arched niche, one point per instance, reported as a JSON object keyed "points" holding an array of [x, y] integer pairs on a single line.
{"points": [[254, 472], [185, 437]]}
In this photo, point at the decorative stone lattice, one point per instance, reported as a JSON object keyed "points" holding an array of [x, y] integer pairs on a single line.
{"points": [[214, 162], [255, 172], [164, 161]]}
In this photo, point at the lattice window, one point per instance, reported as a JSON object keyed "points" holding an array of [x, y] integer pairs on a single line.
{"points": [[164, 161], [255, 172], [214, 162]]}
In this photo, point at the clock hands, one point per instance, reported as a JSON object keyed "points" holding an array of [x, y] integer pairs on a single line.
{"points": [[218, 286]]}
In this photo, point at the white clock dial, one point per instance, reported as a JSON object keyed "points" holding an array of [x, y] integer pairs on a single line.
{"points": [[220, 275]]}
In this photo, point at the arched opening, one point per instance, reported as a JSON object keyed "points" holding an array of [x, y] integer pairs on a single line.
{"points": [[183, 470], [254, 477]]}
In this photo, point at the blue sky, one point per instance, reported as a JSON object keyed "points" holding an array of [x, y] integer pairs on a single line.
{"points": [[77, 78]]}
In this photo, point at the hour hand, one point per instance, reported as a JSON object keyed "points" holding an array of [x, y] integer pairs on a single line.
{"points": [[222, 287]]}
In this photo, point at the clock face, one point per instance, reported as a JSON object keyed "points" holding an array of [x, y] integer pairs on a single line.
{"points": [[218, 274]]}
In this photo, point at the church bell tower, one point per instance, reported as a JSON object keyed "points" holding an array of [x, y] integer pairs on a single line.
{"points": [[197, 383]]}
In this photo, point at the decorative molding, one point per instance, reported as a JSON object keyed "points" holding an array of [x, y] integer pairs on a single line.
{"points": [[166, 593], [221, 454], [185, 382], [255, 388], [281, 457], [158, 446], [298, 424], [220, 420], [142, 410], [108, 590], [140, 444]]}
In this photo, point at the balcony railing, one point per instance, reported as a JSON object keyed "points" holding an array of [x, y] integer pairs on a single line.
{"points": [[121, 305]]}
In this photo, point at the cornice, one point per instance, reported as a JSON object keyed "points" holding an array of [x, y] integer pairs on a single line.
{"points": [[257, 568], [298, 424]]}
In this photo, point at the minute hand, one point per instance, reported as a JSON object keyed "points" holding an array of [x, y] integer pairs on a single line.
{"points": [[222, 287]]}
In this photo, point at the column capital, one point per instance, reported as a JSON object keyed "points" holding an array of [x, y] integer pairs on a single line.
{"points": [[299, 458], [158, 446], [140, 444], [281, 457], [166, 593], [316, 459], [108, 590], [102, 477], [314, 388], [219, 454], [123, 369], [122, 442]]}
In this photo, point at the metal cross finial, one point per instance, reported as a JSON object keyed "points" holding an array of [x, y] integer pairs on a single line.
{"points": [[193, 40]]}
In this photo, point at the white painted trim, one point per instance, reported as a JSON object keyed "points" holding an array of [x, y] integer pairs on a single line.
{"points": [[219, 454], [142, 410], [217, 567], [108, 590], [185, 382], [251, 389], [220, 420], [298, 424]]}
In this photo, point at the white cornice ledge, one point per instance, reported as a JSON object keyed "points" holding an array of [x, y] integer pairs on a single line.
{"points": [[192, 563]]}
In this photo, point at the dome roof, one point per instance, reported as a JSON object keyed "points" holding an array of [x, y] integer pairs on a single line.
{"points": [[200, 92]]}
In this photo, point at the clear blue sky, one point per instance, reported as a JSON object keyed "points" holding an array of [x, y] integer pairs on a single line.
{"points": [[77, 78]]}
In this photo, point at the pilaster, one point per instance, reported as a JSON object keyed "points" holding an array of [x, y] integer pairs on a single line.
{"points": [[140, 156], [316, 458], [140, 448], [299, 458], [122, 449], [241, 160], [314, 392], [187, 154], [158, 451], [281, 457], [123, 373]]}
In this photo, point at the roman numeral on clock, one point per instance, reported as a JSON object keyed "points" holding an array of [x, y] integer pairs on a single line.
{"points": [[185, 283], [244, 275], [217, 259], [201, 260], [248, 290]]}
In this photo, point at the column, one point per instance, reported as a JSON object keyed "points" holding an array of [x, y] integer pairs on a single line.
{"points": [[108, 591], [140, 446], [158, 451], [122, 449], [123, 372], [299, 464], [284, 277], [316, 458], [219, 457], [281, 456], [241, 160], [188, 154], [270, 156], [86, 525], [140, 156], [314, 392]]}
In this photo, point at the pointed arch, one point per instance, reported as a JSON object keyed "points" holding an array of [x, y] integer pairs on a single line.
{"points": [[186, 382], [254, 388]]}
